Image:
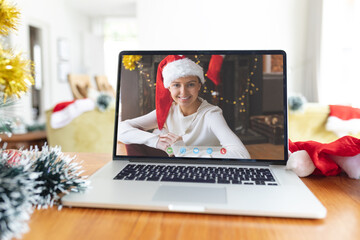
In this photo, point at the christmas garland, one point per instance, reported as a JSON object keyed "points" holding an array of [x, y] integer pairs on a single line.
{"points": [[28, 178], [17, 196], [15, 73], [130, 61], [33, 178], [9, 17]]}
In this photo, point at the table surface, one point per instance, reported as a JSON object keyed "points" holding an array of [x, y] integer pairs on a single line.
{"points": [[24, 140], [35, 135], [340, 195]]}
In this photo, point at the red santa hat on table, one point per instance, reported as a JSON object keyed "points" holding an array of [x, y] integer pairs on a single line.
{"points": [[171, 68], [327, 159], [64, 112], [343, 120]]}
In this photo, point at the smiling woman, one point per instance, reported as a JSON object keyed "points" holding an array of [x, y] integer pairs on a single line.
{"points": [[181, 117]]}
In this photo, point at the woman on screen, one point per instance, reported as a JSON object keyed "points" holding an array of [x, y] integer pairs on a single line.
{"points": [[182, 119]]}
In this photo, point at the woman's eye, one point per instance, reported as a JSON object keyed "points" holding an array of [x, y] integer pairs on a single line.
{"points": [[191, 84], [176, 85]]}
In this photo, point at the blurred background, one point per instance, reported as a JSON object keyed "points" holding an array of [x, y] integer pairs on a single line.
{"points": [[321, 38]]}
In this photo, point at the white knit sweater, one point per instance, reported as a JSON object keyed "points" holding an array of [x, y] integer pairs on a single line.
{"points": [[205, 128]]}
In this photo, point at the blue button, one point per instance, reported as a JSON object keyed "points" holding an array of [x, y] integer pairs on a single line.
{"points": [[209, 150], [182, 150], [196, 150]]}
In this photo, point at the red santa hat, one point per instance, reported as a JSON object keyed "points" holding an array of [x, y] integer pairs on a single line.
{"points": [[64, 112], [343, 120], [171, 68], [325, 158]]}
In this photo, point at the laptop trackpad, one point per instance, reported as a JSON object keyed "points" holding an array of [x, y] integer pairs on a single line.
{"points": [[191, 194]]}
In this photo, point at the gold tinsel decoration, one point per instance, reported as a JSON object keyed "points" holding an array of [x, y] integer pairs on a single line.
{"points": [[15, 73], [9, 17], [130, 61]]}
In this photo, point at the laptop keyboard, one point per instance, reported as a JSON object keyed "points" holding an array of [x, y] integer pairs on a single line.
{"points": [[197, 174]]}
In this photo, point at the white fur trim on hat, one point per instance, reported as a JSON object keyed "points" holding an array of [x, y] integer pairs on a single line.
{"points": [[343, 127], [181, 68]]}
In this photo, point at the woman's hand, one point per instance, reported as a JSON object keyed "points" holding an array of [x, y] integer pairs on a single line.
{"points": [[167, 140]]}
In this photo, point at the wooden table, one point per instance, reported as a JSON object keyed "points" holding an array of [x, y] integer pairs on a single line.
{"points": [[25, 140], [340, 195]]}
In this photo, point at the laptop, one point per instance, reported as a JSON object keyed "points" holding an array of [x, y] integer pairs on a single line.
{"points": [[201, 132]]}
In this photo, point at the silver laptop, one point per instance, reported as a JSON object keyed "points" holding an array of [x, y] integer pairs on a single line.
{"points": [[202, 132]]}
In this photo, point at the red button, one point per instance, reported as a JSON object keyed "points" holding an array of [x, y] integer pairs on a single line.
{"points": [[223, 151]]}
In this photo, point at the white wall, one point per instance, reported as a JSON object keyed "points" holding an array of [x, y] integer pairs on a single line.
{"points": [[340, 51], [228, 24], [170, 24], [57, 20]]}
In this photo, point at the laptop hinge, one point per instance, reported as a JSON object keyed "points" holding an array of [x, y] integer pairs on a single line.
{"points": [[202, 162]]}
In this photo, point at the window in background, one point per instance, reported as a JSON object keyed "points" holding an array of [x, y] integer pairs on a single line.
{"points": [[273, 64], [340, 51], [119, 34]]}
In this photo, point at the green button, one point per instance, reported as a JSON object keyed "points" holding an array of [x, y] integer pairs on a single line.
{"points": [[169, 150]]}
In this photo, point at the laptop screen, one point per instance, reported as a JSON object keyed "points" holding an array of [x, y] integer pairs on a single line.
{"points": [[214, 105]]}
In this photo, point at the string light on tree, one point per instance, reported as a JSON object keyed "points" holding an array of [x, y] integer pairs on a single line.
{"points": [[250, 89], [130, 62]]}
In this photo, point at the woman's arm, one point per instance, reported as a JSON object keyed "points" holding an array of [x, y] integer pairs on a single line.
{"points": [[234, 147], [135, 130]]}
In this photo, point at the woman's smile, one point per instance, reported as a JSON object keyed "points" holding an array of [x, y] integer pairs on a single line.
{"points": [[184, 98]]}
